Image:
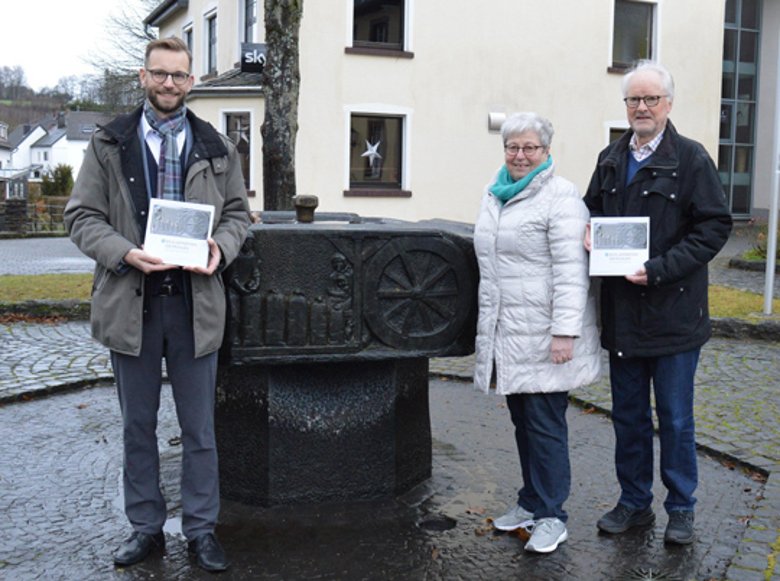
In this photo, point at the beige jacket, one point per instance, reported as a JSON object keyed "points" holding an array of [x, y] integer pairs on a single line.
{"points": [[101, 217]]}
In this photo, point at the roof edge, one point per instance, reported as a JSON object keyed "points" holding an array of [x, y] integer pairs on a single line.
{"points": [[164, 11]]}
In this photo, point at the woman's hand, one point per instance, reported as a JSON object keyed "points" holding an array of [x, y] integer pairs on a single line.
{"points": [[562, 349], [587, 242]]}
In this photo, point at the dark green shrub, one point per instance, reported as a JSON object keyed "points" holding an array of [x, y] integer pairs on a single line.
{"points": [[58, 182]]}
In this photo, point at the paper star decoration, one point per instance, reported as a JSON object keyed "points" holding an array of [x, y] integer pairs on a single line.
{"points": [[371, 152]]}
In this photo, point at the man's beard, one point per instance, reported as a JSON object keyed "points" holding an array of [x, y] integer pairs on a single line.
{"points": [[153, 97]]}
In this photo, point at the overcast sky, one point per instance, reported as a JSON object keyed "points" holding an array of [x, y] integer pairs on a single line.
{"points": [[49, 39]]}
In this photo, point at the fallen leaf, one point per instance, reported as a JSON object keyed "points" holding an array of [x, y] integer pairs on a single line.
{"points": [[522, 533]]}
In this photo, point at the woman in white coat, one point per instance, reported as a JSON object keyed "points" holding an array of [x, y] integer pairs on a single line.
{"points": [[537, 319]]}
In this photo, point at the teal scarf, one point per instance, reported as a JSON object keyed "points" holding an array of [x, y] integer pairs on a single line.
{"points": [[505, 188]]}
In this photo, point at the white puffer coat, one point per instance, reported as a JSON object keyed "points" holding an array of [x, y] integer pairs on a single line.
{"points": [[534, 284]]}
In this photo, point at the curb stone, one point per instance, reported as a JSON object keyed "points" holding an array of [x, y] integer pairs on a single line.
{"points": [[74, 310]]}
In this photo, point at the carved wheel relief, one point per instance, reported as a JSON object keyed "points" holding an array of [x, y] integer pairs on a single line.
{"points": [[417, 293]]}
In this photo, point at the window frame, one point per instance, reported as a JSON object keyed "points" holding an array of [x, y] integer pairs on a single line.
{"points": [[243, 22], [617, 128], [188, 36], [620, 67], [366, 48], [210, 41], [224, 113], [379, 111]]}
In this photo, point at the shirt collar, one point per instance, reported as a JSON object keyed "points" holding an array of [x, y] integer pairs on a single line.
{"points": [[153, 138], [647, 149]]}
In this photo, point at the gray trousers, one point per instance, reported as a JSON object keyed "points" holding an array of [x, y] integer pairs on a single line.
{"points": [[167, 333]]}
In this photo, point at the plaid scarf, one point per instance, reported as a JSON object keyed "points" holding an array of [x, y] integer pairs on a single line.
{"points": [[169, 164]]}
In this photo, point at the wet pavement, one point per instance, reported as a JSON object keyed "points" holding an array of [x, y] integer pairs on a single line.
{"points": [[60, 464], [55, 255], [62, 506]]}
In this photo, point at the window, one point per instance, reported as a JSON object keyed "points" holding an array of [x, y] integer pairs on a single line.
{"points": [[211, 44], [238, 128], [739, 94], [376, 156], [249, 20], [616, 133], [632, 37], [379, 26], [186, 36]]}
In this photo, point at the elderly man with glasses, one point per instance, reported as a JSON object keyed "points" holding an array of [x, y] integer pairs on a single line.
{"points": [[655, 320]]}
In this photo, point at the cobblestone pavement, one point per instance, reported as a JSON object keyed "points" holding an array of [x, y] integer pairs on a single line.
{"points": [[737, 400], [62, 519]]}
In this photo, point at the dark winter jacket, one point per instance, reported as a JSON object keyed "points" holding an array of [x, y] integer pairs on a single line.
{"points": [[679, 189]]}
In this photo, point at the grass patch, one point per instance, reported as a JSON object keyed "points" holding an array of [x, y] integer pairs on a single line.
{"points": [[724, 301], [54, 287], [737, 304]]}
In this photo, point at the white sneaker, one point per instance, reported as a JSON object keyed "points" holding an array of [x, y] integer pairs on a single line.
{"points": [[516, 518], [548, 534]]}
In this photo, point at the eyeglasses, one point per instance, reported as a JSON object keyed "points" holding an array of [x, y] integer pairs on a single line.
{"points": [[179, 78], [527, 150], [650, 101]]}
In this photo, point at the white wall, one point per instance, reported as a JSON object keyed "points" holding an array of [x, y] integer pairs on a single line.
{"points": [[548, 56], [5, 158], [20, 158]]}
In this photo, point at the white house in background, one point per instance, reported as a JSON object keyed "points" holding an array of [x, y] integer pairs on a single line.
{"points": [[8, 177], [5, 146], [22, 138], [425, 86], [39, 148], [66, 142]]}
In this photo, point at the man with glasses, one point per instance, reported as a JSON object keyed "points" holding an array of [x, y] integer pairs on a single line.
{"points": [[655, 320], [144, 310]]}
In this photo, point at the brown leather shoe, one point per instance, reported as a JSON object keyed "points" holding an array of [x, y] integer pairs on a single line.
{"points": [[137, 548]]}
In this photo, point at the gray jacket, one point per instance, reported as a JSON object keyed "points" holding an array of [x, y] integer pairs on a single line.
{"points": [[102, 217]]}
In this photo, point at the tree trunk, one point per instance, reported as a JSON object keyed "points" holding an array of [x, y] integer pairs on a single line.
{"points": [[281, 83]]}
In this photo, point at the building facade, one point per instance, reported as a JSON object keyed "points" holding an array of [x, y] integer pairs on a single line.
{"points": [[401, 100]]}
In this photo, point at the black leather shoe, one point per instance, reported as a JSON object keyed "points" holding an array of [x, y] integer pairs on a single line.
{"points": [[621, 518], [210, 555], [137, 548], [679, 529]]}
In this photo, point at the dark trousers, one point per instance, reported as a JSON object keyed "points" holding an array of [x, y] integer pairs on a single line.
{"points": [[672, 380], [167, 333], [542, 437]]}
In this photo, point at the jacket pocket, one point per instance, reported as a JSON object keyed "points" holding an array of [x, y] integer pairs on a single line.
{"points": [[669, 313], [99, 279]]}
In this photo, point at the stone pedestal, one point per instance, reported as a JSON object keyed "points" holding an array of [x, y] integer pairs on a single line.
{"points": [[323, 385], [319, 432]]}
